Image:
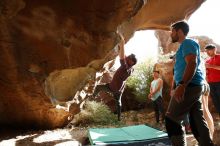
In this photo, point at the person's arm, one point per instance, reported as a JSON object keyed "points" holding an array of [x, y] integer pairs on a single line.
{"points": [[172, 87], [150, 95], [121, 52], [191, 61], [217, 67]]}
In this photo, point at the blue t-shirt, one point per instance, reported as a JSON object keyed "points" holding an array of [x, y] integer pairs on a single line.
{"points": [[187, 47]]}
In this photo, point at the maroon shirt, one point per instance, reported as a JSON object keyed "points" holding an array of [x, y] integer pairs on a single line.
{"points": [[121, 74]]}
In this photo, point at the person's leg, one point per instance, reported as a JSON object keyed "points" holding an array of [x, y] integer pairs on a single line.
{"points": [[101, 87], [118, 104], [217, 86], [177, 111], [156, 111], [207, 114], [175, 132], [193, 126], [186, 120], [215, 95], [199, 125], [119, 112], [161, 108], [186, 123], [174, 127]]}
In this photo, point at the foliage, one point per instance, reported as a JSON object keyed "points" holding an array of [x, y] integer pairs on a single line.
{"points": [[140, 80], [95, 113]]}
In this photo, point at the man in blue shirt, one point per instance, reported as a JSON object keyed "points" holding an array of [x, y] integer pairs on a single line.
{"points": [[186, 96]]}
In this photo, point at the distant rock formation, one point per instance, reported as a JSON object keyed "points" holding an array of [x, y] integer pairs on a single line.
{"points": [[170, 48]]}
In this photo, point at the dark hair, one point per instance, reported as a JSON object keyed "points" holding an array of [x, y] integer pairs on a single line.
{"points": [[210, 47], [181, 25], [133, 58]]}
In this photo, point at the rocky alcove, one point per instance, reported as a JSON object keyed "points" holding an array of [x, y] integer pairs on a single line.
{"points": [[51, 49]]}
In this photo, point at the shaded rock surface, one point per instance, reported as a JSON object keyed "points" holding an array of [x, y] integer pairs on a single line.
{"points": [[38, 38]]}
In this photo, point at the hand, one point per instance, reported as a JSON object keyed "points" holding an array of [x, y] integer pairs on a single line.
{"points": [[150, 96], [172, 92], [179, 92]]}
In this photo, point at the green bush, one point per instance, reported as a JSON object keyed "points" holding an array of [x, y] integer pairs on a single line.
{"points": [[140, 80], [95, 113]]}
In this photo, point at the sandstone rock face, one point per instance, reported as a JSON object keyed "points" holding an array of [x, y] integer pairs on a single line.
{"points": [[62, 85], [204, 40], [164, 42], [38, 39]]}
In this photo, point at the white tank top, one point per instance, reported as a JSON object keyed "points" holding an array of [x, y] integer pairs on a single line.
{"points": [[154, 85]]}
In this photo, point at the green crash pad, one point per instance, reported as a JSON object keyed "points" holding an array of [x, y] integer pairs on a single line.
{"points": [[130, 134]]}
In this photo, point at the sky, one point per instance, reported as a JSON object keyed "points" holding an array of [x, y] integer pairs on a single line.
{"points": [[203, 22], [143, 45]]}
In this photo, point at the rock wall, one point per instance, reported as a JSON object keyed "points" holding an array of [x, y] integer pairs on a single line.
{"points": [[40, 39], [164, 42]]}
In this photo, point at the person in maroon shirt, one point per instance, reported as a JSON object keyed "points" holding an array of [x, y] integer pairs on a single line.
{"points": [[117, 85], [213, 74]]}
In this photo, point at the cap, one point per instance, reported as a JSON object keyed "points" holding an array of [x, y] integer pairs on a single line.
{"points": [[210, 47]]}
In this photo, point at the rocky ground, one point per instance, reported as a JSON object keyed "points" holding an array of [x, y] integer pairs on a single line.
{"points": [[71, 136]]}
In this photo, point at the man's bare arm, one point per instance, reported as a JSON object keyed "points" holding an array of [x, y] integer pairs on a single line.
{"points": [[217, 67], [191, 61], [150, 94], [172, 86], [121, 52], [189, 72]]}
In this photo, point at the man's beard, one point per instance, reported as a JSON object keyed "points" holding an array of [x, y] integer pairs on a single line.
{"points": [[175, 39]]}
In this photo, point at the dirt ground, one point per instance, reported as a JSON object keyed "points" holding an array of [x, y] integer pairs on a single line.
{"points": [[74, 136]]}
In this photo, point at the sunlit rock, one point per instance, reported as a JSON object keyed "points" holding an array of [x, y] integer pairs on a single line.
{"points": [[63, 85]]}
